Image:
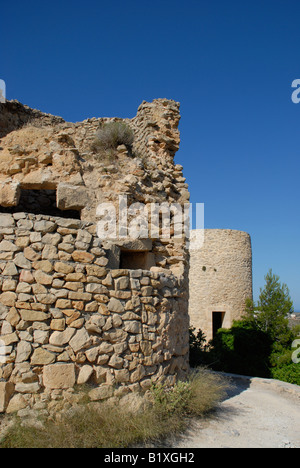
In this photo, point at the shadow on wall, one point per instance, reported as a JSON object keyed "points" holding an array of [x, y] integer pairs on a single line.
{"points": [[43, 202]]}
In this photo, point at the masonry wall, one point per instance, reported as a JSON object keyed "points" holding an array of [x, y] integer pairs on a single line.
{"points": [[220, 278], [43, 152], [14, 115], [67, 318]]}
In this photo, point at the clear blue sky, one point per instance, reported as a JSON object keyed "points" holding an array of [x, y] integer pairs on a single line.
{"points": [[229, 63]]}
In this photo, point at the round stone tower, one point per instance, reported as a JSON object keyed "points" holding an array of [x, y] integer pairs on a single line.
{"points": [[220, 278]]}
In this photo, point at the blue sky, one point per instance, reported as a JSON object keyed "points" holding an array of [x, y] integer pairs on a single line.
{"points": [[229, 63]]}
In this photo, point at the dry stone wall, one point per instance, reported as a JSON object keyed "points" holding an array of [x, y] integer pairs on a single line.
{"points": [[14, 115], [70, 311], [67, 318]]}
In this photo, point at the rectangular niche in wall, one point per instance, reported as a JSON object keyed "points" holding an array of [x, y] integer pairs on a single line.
{"points": [[40, 202], [133, 260]]}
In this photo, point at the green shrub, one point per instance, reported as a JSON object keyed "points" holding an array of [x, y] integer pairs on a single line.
{"points": [[243, 349], [287, 373], [283, 368]]}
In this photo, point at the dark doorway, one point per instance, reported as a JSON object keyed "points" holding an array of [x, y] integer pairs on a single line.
{"points": [[40, 202], [133, 260], [217, 321]]}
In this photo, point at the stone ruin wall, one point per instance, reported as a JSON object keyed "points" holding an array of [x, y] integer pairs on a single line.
{"points": [[220, 278], [43, 152], [68, 313]]}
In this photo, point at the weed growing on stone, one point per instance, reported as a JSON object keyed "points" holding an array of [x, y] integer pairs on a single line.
{"points": [[110, 136]]}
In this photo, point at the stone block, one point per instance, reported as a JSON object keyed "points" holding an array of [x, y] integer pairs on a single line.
{"points": [[42, 357], [116, 361], [10, 269], [58, 324], [61, 267], [31, 254], [136, 245], [43, 278], [25, 276], [122, 375], [7, 246], [44, 226], [115, 305], [85, 374], [23, 351], [82, 257], [80, 341], [43, 265], [101, 393], [6, 391], [71, 197], [33, 387], [16, 403], [132, 326], [69, 223], [33, 315], [138, 374], [10, 194], [60, 338], [6, 220], [122, 282], [22, 262], [95, 270], [8, 298], [59, 376]]}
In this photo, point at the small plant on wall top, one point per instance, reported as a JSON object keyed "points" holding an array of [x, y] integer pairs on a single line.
{"points": [[111, 135]]}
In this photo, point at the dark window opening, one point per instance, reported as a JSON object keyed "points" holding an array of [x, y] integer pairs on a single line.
{"points": [[40, 202], [217, 321], [132, 260]]}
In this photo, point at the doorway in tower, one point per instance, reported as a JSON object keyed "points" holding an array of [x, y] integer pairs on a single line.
{"points": [[217, 321]]}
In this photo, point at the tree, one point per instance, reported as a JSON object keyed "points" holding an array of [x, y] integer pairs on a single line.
{"points": [[260, 344], [272, 310]]}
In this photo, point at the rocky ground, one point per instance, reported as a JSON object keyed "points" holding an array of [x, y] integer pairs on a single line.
{"points": [[258, 413]]}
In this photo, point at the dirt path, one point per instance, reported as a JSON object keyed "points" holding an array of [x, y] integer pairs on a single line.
{"points": [[258, 413]]}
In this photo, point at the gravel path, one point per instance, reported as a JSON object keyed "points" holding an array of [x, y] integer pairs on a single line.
{"points": [[258, 413]]}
